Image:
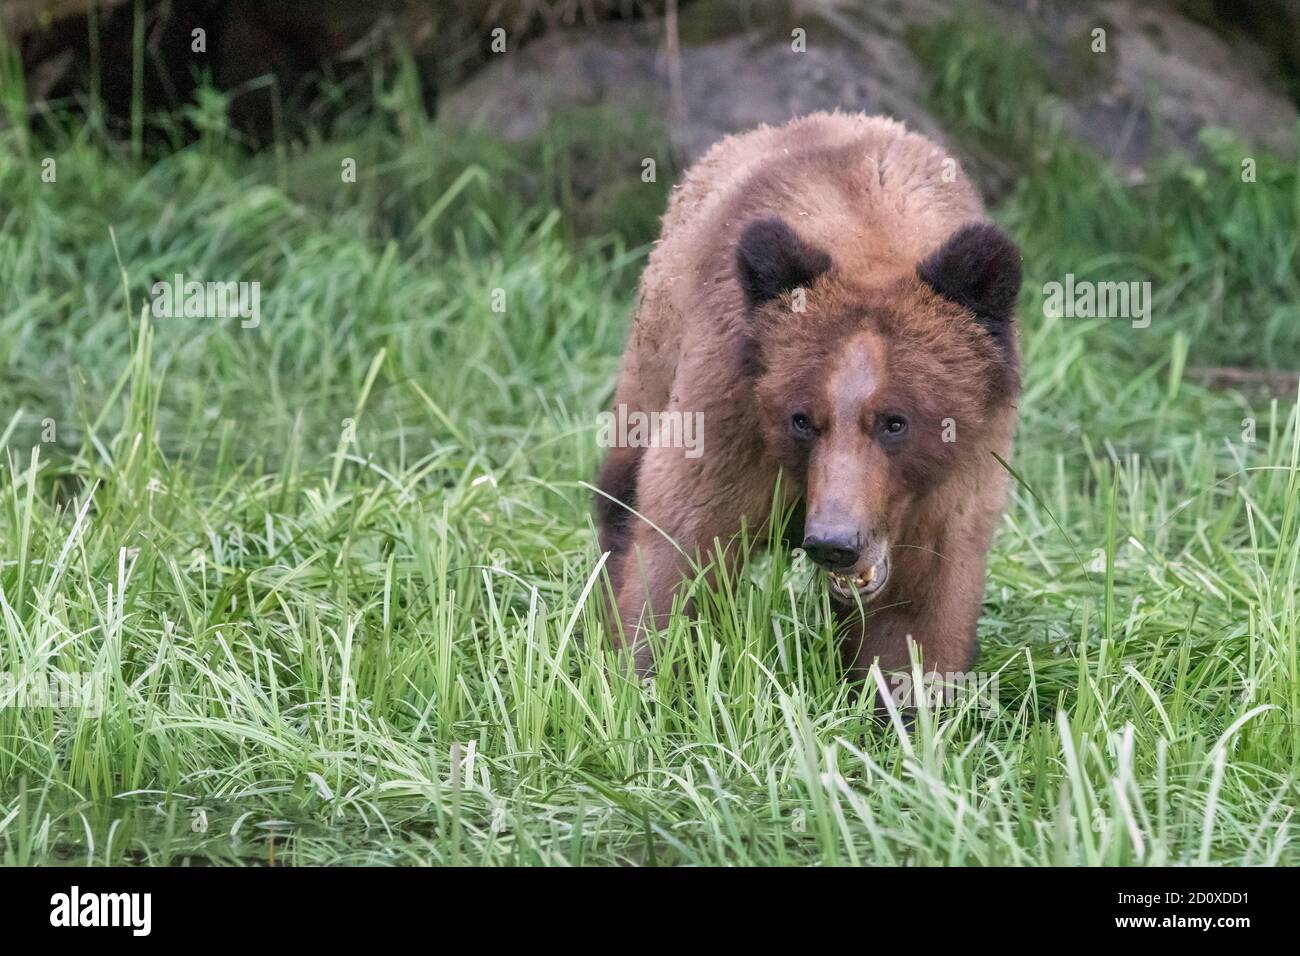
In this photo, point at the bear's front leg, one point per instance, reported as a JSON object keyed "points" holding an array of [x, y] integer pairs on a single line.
{"points": [[686, 504], [651, 572], [935, 607]]}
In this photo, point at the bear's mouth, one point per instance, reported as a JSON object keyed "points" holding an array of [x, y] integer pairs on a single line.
{"points": [[862, 586]]}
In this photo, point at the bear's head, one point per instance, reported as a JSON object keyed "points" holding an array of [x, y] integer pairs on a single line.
{"points": [[874, 397]]}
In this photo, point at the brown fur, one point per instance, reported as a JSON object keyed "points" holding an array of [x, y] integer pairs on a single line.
{"points": [[875, 338]]}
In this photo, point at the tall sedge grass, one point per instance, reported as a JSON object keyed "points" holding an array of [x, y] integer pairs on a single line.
{"points": [[338, 582]]}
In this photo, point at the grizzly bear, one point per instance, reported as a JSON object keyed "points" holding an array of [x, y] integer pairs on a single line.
{"points": [[830, 301]]}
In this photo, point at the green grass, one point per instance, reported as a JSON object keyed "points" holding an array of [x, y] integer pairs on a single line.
{"points": [[314, 650]]}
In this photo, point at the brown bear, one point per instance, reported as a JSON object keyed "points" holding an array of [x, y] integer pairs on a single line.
{"points": [[829, 301]]}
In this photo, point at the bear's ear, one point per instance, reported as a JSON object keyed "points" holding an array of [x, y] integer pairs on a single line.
{"points": [[772, 259], [979, 269]]}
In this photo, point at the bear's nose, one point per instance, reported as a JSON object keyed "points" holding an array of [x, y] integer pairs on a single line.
{"points": [[833, 554]]}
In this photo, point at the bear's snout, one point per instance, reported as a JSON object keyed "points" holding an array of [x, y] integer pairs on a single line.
{"points": [[858, 565], [834, 553]]}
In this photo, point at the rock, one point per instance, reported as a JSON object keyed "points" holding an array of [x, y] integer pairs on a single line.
{"points": [[1162, 79], [726, 86]]}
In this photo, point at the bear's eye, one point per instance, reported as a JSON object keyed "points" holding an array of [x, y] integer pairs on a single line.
{"points": [[801, 424], [893, 425]]}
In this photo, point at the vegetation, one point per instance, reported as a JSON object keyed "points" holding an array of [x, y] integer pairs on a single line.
{"points": [[335, 575]]}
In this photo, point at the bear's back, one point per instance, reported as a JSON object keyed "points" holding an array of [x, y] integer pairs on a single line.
{"points": [[874, 195]]}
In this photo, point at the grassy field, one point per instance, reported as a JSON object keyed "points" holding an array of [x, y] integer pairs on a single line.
{"points": [[334, 575]]}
